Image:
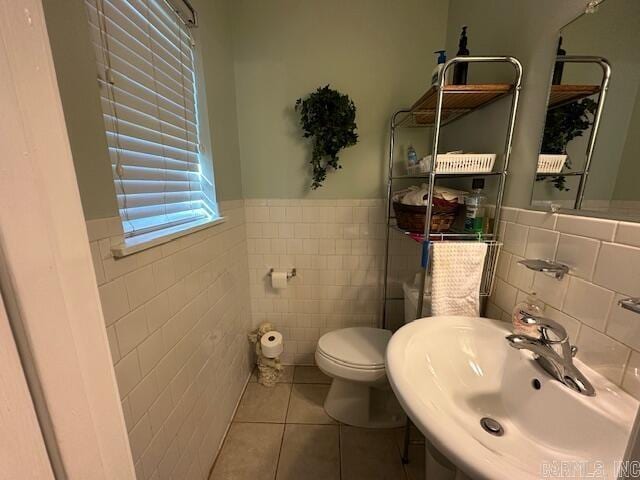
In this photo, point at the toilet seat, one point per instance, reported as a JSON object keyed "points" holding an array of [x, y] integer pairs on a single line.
{"points": [[356, 347], [337, 361]]}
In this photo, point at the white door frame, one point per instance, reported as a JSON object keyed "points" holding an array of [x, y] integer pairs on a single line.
{"points": [[23, 453], [54, 307]]}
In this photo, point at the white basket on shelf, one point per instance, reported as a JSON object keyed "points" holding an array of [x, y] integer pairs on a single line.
{"points": [[456, 163], [551, 163]]}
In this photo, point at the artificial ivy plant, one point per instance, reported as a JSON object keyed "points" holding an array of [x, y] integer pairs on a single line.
{"points": [[329, 118], [562, 125]]}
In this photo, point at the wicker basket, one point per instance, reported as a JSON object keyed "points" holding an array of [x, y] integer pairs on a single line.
{"points": [[411, 217]]}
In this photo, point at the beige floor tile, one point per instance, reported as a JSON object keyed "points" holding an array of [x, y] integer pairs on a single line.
{"points": [[370, 454], [307, 404], [264, 404], [285, 377], [250, 452], [310, 452], [304, 374]]}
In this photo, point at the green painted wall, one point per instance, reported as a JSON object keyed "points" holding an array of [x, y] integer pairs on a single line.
{"points": [[257, 58], [629, 172], [214, 44], [74, 61], [377, 51], [75, 66]]}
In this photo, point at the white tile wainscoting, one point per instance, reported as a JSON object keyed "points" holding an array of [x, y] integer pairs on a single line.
{"points": [[604, 261], [337, 247], [177, 317]]}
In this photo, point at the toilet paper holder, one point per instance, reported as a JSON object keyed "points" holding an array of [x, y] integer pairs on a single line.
{"points": [[290, 274]]}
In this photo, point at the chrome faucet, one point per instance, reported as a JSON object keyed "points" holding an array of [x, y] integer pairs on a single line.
{"points": [[559, 365]]}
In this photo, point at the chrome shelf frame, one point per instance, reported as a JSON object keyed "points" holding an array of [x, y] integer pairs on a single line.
{"points": [[432, 175], [604, 64], [492, 254], [561, 174], [426, 175], [443, 237], [583, 175]]}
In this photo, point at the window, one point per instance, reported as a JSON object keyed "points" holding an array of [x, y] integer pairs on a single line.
{"points": [[146, 73]]}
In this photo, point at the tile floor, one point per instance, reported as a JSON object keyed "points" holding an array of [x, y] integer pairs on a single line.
{"points": [[283, 433]]}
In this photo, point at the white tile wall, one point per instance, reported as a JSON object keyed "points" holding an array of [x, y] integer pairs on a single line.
{"points": [[177, 318], [602, 271], [177, 315], [337, 247], [628, 233]]}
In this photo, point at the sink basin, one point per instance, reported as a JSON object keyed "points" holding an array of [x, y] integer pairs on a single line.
{"points": [[450, 372]]}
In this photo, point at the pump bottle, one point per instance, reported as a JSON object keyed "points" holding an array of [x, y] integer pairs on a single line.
{"points": [[460, 69], [442, 58]]}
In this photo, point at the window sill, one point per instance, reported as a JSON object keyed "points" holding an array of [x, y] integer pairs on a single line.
{"points": [[152, 239]]}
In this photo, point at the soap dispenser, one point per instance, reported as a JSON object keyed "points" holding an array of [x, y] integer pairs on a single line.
{"points": [[442, 58], [530, 306], [460, 69]]}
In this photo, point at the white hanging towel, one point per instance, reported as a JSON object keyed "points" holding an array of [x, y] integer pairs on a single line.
{"points": [[456, 276]]}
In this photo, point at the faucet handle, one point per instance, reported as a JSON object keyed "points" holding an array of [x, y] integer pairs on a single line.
{"points": [[544, 325]]}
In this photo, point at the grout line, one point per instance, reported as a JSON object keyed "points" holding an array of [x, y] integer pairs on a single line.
{"points": [[295, 423], [340, 451], [291, 423], [284, 428], [311, 383]]}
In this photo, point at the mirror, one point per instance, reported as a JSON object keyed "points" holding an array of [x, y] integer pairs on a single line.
{"points": [[590, 150]]}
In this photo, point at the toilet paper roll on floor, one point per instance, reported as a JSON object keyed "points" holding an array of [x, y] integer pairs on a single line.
{"points": [[272, 344], [279, 280]]}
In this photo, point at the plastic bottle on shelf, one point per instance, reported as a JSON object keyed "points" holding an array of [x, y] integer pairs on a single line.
{"points": [[412, 156], [475, 214], [442, 58], [531, 306]]}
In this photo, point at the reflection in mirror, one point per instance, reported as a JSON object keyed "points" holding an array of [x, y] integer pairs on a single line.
{"points": [[591, 161]]}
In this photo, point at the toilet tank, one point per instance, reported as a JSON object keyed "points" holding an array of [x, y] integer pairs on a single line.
{"points": [[411, 303]]}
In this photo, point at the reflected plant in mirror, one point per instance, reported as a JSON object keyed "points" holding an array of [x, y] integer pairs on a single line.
{"points": [[562, 125], [589, 157]]}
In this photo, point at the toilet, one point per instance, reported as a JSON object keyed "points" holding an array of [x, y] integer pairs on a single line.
{"points": [[354, 357]]}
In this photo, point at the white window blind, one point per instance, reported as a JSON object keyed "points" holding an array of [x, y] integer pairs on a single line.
{"points": [[146, 73]]}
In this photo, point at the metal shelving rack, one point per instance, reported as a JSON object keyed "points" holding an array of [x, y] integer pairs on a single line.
{"points": [[441, 105], [466, 98]]}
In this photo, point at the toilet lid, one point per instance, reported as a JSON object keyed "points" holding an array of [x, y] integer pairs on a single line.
{"points": [[357, 346]]}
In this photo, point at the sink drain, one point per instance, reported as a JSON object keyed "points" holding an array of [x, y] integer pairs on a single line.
{"points": [[492, 426]]}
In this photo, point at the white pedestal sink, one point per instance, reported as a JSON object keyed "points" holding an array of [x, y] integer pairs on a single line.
{"points": [[450, 372]]}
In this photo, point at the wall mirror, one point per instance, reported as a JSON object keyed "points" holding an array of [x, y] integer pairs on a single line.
{"points": [[590, 149]]}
